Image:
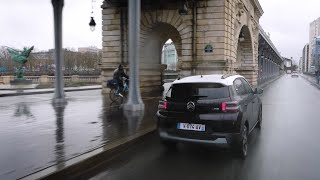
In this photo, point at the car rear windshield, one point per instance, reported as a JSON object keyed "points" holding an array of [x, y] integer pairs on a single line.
{"points": [[194, 91]]}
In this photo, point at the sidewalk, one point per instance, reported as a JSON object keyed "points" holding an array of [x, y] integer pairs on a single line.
{"points": [[311, 79], [38, 139], [4, 93]]}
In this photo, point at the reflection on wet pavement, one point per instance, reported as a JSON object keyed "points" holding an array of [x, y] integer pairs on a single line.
{"points": [[284, 149], [38, 134]]}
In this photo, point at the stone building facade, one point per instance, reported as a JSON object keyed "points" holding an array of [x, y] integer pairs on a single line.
{"points": [[230, 27]]}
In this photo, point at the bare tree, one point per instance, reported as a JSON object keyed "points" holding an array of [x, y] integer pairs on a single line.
{"points": [[5, 58]]}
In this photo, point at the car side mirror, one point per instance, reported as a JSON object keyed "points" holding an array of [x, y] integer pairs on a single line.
{"points": [[258, 91]]}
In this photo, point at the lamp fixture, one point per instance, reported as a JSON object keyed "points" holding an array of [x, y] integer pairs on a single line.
{"points": [[241, 37], [183, 10], [92, 22]]}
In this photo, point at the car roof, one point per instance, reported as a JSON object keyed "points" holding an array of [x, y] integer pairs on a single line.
{"points": [[226, 80]]}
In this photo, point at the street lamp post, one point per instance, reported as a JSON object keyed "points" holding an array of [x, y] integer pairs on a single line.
{"points": [[59, 96], [134, 102]]}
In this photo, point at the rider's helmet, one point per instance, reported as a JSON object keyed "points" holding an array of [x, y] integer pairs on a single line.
{"points": [[120, 67]]}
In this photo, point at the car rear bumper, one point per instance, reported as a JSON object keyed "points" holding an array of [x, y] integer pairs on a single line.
{"points": [[217, 124], [169, 137]]}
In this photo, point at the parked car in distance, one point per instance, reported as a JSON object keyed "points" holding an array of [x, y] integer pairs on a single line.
{"points": [[201, 109], [294, 74]]}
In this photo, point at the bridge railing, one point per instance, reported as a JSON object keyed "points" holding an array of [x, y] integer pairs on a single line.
{"points": [[50, 79]]}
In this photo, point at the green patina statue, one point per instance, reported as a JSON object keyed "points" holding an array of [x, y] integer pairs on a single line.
{"points": [[21, 58]]}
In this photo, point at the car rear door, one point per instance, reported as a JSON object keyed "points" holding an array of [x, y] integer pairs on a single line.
{"points": [[245, 99], [254, 101]]}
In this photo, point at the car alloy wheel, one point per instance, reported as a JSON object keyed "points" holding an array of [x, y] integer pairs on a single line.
{"points": [[244, 142], [259, 124]]}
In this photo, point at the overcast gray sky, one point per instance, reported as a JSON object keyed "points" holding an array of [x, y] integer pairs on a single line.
{"points": [[288, 21], [30, 22]]}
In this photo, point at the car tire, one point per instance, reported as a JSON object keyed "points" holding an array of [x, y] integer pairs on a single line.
{"points": [[241, 146], [259, 124], [240, 143]]}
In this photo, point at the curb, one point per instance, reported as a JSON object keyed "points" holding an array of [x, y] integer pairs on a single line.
{"points": [[45, 92], [85, 162], [313, 83]]}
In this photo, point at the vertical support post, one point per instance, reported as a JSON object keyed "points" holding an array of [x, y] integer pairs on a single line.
{"points": [[59, 96], [264, 68], [268, 68], [194, 36], [134, 100], [259, 69]]}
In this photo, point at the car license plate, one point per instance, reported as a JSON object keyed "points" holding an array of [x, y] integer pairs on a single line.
{"points": [[191, 127]]}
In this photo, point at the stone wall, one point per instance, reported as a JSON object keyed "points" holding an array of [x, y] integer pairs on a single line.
{"points": [[218, 23]]}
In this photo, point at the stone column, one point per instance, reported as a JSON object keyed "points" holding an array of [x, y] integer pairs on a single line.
{"points": [[215, 27], [111, 43], [134, 100]]}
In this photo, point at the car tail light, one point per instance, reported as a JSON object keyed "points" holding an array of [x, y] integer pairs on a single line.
{"points": [[163, 105], [230, 106], [224, 106]]}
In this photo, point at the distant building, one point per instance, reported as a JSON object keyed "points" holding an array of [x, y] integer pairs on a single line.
{"points": [[305, 58], [316, 54], [91, 49], [287, 65], [314, 32], [300, 64], [43, 55], [169, 56]]}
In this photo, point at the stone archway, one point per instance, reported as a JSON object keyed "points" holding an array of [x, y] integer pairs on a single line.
{"points": [[156, 28], [151, 51], [245, 57], [156, 38], [245, 64]]}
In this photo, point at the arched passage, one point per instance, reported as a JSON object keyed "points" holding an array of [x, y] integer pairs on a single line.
{"points": [[169, 56], [151, 47], [151, 51], [245, 61], [244, 49]]}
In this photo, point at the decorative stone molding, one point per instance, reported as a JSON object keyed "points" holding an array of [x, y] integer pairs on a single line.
{"points": [[240, 10]]}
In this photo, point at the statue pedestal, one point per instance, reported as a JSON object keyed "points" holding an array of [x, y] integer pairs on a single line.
{"points": [[21, 84]]}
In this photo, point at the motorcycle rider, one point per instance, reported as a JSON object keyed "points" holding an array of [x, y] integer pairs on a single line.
{"points": [[118, 74]]}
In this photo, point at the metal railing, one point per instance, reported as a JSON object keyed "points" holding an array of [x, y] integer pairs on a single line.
{"points": [[51, 79]]}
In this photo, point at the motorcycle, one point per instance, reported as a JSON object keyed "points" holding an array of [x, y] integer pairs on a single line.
{"points": [[116, 93]]}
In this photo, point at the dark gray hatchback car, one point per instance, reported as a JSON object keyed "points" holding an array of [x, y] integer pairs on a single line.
{"points": [[200, 109]]}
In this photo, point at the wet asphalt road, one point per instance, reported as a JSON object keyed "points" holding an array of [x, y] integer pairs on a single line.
{"points": [[286, 148], [35, 134]]}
